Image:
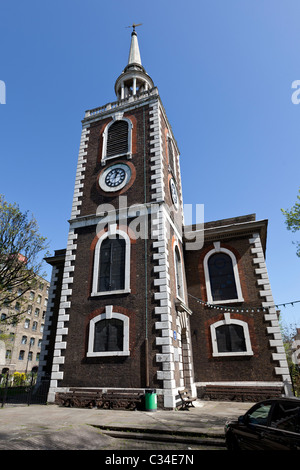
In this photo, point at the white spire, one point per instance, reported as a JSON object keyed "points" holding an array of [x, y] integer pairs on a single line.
{"points": [[134, 78], [134, 53]]}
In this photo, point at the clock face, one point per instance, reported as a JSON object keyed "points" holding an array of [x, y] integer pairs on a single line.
{"points": [[115, 177], [174, 193]]}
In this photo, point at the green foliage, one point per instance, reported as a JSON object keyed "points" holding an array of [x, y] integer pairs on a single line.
{"points": [[292, 219], [6, 337], [18, 379], [21, 250], [288, 335], [295, 375]]}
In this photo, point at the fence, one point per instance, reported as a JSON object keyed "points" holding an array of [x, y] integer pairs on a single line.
{"points": [[16, 389]]}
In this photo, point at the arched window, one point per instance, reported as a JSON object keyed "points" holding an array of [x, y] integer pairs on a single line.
{"points": [[24, 340], [111, 274], [178, 273], [230, 337], [112, 264], [171, 156], [109, 334], [21, 355], [117, 139], [222, 276]]}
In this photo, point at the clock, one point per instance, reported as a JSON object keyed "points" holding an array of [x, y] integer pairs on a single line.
{"points": [[115, 177], [174, 193]]}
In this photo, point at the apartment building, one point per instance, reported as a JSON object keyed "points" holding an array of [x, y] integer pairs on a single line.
{"points": [[20, 342]]}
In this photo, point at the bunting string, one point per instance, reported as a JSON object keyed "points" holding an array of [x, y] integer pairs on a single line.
{"points": [[241, 309]]}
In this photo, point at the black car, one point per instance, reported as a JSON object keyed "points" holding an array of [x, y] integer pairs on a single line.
{"points": [[269, 425]]}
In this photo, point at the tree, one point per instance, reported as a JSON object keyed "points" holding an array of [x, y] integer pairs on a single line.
{"points": [[21, 249], [292, 219], [288, 335]]}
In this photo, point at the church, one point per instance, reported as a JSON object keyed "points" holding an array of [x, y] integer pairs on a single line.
{"points": [[138, 300]]}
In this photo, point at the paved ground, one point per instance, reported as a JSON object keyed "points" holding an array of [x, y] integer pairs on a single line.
{"points": [[50, 427]]}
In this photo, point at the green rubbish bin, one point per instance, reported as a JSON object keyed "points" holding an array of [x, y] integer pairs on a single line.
{"points": [[150, 400]]}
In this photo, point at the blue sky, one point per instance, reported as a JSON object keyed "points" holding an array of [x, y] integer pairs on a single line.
{"points": [[224, 71]]}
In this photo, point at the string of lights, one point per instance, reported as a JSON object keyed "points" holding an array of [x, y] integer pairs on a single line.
{"points": [[240, 309]]}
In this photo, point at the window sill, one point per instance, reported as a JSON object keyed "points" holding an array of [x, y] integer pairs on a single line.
{"points": [[111, 292], [230, 354], [181, 306], [108, 354], [229, 301], [127, 155]]}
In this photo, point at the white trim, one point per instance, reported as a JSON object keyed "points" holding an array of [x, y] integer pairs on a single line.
{"points": [[217, 249], [271, 316], [80, 172], [229, 321], [117, 117], [108, 315], [156, 154], [242, 384], [63, 315], [176, 246], [111, 231]]}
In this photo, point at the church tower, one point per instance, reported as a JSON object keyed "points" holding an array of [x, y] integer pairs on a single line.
{"points": [[118, 315]]}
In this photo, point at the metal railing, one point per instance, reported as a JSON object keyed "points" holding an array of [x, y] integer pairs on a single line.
{"points": [[17, 389]]}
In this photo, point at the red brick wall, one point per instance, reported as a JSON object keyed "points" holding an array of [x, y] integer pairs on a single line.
{"points": [[258, 367]]}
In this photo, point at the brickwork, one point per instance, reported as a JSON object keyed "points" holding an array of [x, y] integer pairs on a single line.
{"points": [[260, 367]]}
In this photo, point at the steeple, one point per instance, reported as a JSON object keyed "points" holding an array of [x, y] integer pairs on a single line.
{"points": [[134, 53], [134, 78]]}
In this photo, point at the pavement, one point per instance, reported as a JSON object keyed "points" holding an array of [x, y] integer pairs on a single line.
{"points": [[52, 427]]}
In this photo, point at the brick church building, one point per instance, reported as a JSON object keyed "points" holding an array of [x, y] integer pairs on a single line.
{"points": [[140, 301]]}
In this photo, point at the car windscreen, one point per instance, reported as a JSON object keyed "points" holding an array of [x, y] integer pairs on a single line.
{"points": [[259, 414]]}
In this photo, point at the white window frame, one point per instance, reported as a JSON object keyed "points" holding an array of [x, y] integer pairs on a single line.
{"points": [[108, 315], [116, 117], [217, 249], [111, 232], [176, 246], [227, 321]]}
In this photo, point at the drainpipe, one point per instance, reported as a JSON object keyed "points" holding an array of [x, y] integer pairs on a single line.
{"points": [[146, 263]]}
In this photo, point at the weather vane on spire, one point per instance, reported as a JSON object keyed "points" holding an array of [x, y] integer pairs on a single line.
{"points": [[134, 26]]}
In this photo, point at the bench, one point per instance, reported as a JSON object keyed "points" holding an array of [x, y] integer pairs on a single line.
{"points": [[91, 398], [186, 399], [122, 399], [80, 398], [239, 393]]}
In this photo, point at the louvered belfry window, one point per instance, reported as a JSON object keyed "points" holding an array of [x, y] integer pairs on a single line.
{"points": [[112, 264], [117, 139]]}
